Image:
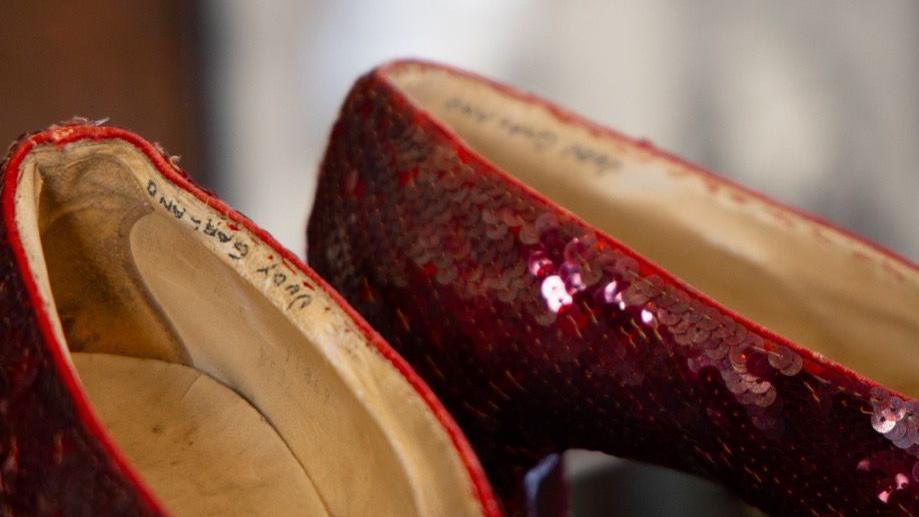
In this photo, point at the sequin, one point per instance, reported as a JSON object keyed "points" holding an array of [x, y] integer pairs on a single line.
{"points": [[733, 382], [545, 222], [539, 265], [575, 251], [717, 352], [571, 274], [528, 234], [635, 295], [610, 292], [760, 387], [738, 357], [647, 317], [555, 292], [667, 317], [766, 398], [496, 231], [785, 361], [896, 419]]}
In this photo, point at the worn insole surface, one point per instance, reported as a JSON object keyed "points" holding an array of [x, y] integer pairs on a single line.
{"points": [[202, 447]]}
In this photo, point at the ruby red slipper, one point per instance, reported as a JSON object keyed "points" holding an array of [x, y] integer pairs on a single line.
{"points": [[160, 353], [560, 285]]}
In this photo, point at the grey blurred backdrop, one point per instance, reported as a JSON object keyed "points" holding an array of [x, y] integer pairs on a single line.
{"points": [[814, 103]]}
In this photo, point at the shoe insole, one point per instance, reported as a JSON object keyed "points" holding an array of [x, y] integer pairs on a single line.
{"points": [[202, 448]]}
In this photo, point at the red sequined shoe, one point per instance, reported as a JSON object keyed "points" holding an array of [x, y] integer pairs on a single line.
{"points": [[161, 353], [560, 285]]}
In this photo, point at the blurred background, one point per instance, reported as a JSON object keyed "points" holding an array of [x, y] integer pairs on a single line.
{"points": [[814, 103]]}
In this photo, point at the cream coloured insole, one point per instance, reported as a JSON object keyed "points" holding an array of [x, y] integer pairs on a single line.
{"points": [[203, 449]]}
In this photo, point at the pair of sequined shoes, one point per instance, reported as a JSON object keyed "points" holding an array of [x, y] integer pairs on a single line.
{"points": [[555, 284]]}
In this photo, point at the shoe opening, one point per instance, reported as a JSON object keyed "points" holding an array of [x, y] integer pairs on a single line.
{"points": [[231, 382]]}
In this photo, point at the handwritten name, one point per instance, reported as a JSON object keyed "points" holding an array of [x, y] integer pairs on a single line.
{"points": [[538, 139], [232, 242]]}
